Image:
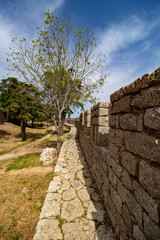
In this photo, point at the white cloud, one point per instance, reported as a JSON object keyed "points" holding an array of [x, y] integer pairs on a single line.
{"points": [[121, 35], [7, 29], [34, 10], [26, 13]]}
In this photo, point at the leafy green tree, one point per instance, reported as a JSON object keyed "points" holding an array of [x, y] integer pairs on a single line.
{"points": [[40, 117], [63, 59], [20, 100]]}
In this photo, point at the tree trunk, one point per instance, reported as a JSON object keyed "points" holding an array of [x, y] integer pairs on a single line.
{"points": [[32, 123], [23, 129], [63, 120], [7, 116], [59, 127]]}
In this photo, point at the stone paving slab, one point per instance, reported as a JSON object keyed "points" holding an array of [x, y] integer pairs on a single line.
{"points": [[72, 208]]}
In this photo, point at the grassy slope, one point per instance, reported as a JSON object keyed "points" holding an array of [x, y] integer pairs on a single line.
{"points": [[22, 194]]}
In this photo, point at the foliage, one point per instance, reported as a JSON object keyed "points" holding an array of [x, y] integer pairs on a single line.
{"points": [[25, 161], [40, 117], [62, 61], [20, 100]]}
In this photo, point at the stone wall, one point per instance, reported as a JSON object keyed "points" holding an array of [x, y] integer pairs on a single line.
{"points": [[125, 159], [72, 121]]}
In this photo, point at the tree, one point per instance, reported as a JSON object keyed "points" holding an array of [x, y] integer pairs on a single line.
{"points": [[20, 100], [61, 59]]}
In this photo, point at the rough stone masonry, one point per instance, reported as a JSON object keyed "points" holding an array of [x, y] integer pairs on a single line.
{"points": [[72, 209], [121, 143]]}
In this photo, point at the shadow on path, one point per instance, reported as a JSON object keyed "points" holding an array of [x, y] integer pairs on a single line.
{"points": [[96, 211]]}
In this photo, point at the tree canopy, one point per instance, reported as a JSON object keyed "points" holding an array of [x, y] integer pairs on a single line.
{"points": [[62, 61], [20, 100]]}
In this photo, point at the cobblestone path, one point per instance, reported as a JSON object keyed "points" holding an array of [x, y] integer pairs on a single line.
{"points": [[72, 209]]}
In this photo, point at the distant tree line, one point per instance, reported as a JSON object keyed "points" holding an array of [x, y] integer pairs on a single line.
{"points": [[21, 102]]}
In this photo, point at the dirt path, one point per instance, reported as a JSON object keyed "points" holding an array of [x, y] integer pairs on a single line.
{"points": [[28, 171], [29, 148]]}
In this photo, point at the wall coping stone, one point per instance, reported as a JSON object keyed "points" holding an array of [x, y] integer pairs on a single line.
{"points": [[145, 81]]}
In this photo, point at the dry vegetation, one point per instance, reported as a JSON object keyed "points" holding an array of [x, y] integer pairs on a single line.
{"points": [[22, 197], [23, 183], [10, 136]]}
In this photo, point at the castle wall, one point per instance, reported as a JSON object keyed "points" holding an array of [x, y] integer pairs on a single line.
{"points": [[121, 143]]}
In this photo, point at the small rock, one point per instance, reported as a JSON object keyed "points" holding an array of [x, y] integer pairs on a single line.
{"points": [[48, 156], [69, 194], [84, 195], [48, 229], [24, 190], [73, 231], [72, 209], [77, 184], [96, 197]]}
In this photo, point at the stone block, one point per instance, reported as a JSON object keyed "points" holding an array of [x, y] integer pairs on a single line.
{"points": [[92, 132], [87, 121], [140, 123], [104, 152], [106, 184], [114, 151], [147, 98], [108, 160], [103, 105], [123, 105], [151, 229], [143, 145], [121, 190], [48, 229], [133, 206], [114, 121], [102, 112], [82, 119], [116, 137], [112, 177], [48, 156], [148, 203], [122, 227], [87, 130], [128, 122], [87, 112], [137, 233], [104, 193], [152, 118], [101, 121], [112, 218], [127, 180], [127, 217], [111, 205], [116, 199], [130, 162], [149, 177], [117, 168], [101, 136]]}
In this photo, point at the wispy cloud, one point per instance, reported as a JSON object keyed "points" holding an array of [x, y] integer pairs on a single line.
{"points": [[7, 31], [123, 34], [34, 9], [130, 47], [20, 21]]}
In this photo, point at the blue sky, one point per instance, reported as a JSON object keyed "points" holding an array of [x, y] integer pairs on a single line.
{"points": [[128, 31]]}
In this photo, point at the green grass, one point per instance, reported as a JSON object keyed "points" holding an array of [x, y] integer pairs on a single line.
{"points": [[26, 161], [13, 148], [49, 142], [10, 232]]}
